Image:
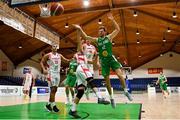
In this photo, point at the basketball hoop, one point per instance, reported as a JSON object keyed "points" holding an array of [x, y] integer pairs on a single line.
{"points": [[45, 10]]}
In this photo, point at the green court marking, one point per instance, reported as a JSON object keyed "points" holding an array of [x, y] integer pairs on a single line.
{"points": [[85, 110]]}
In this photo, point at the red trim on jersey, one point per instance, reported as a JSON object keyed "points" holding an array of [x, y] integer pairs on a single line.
{"points": [[81, 58], [49, 77], [84, 70]]}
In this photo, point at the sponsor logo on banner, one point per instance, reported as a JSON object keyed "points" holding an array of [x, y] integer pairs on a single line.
{"points": [[42, 90], [155, 70], [10, 90]]}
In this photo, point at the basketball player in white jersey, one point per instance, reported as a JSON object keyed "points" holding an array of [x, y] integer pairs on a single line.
{"points": [[28, 81], [84, 78], [91, 54], [51, 63]]}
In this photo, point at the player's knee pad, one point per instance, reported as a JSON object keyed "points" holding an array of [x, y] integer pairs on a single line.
{"points": [[89, 79], [80, 92], [90, 82]]}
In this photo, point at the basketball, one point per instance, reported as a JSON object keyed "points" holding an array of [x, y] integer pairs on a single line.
{"points": [[56, 9]]}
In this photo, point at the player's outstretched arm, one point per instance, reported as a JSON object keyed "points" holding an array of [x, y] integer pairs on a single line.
{"points": [[84, 35], [116, 26], [43, 62], [165, 79], [157, 82], [64, 59], [33, 80], [79, 45]]}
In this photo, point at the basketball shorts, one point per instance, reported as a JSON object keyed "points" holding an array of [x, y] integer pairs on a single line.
{"points": [[70, 80], [107, 63], [90, 67], [163, 86], [27, 85], [82, 73], [54, 79]]}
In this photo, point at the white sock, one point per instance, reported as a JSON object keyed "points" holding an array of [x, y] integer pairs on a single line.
{"points": [[125, 90], [49, 103], [67, 99], [111, 96], [53, 104], [74, 106], [98, 95], [72, 98]]}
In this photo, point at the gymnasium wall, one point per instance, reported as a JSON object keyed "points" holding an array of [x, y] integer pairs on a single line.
{"points": [[9, 67], [18, 71], [33, 63], [170, 65], [36, 70]]}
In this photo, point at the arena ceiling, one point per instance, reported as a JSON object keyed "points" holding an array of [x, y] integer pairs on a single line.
{"points": [[153, 20]]}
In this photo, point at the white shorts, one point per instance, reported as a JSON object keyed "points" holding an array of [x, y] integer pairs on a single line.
{"points": [[53, 78], [27, 85], [90, 67], [82, 73], [96, 74]]}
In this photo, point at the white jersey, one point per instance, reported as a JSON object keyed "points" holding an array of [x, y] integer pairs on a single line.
{"points": [[81, 58], [89, 51], [54, 62], [28, 81], [82, 71]]}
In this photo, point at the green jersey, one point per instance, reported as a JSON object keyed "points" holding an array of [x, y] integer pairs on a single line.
{"points": [[72, 67], [107, 59], [104, 47], [161, 79]]}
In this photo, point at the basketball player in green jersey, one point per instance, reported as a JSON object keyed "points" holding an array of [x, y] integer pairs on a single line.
{"points": [[104, 45], [162, 81], [70, 81]]}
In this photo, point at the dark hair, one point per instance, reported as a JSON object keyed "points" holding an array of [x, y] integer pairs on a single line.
{"points": [[103, 27]]}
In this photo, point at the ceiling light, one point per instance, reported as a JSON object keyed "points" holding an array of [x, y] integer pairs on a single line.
{"points": [[20, 46], [174, 15], [135, 14], [164, 39], [86, 2], [100, 22], [168, 30], [139, 56], [161, 55], [137, 41], [137, 32], [66, 26], [113, 43]]}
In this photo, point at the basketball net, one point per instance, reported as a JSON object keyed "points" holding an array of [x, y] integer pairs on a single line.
{"points": [[45, 9]]}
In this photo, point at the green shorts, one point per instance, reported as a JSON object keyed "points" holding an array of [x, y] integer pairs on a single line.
{"points": [[70, 80], [163, 86], [107, 63]]}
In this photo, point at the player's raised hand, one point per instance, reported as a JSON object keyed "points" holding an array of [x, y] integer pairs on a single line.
{"points": [[110, 16], [76, 26]]}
